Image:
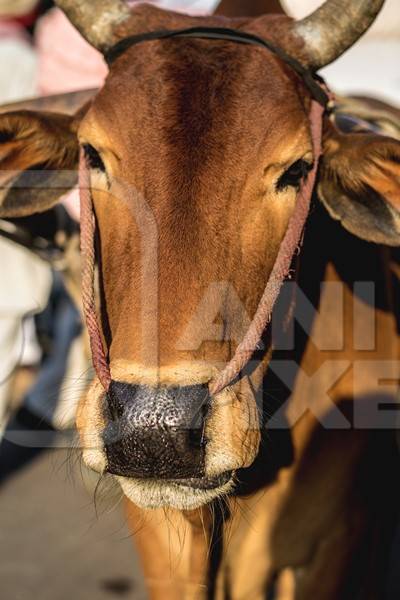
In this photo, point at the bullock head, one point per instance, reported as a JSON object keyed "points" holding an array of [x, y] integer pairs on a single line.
{"points": [[197, 149]]}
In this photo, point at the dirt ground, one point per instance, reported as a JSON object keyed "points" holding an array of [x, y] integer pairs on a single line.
{"points": [[53, 546]]}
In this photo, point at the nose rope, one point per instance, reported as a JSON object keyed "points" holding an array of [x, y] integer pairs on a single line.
{"points": [[291, 241], [88, 235]]}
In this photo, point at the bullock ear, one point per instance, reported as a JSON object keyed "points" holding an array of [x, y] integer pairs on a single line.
{"points": [[360, 184], [39, 153]]}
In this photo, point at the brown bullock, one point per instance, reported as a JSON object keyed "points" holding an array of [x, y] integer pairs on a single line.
{"points": [[279, 486]]}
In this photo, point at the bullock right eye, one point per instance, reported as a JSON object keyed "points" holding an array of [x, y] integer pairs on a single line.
{"points": [[93, 158], [294, 175], [6, 136]]}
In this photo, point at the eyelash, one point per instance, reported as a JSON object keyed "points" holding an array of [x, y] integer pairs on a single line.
{"points": [[93, 158], [293, 176], [6, 136]]}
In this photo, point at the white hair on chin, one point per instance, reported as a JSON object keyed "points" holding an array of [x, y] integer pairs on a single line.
{"points": [[159, 494]]}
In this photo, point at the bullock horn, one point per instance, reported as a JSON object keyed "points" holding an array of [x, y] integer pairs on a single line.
{"points": [[96, 20], [334, 27]]}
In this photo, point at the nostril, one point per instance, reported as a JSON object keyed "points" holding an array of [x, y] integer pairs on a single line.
{"points": [[196, 438]]}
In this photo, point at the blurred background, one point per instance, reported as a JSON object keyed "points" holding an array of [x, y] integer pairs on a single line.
{"points": [[62, 530]]}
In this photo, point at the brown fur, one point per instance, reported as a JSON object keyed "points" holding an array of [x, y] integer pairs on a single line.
{"points": [[254, 8]]}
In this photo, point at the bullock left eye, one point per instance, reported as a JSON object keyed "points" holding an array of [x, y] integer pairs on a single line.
{"points": [[293, 176], [93, 158]]}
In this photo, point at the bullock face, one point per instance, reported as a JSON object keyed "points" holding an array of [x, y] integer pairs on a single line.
{"points": [[197, 150]]}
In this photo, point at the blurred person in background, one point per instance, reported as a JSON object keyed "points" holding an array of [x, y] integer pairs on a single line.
{"points": [[25, 289], [25, 278], [18, 60], [34, 271], [40, 325]]}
